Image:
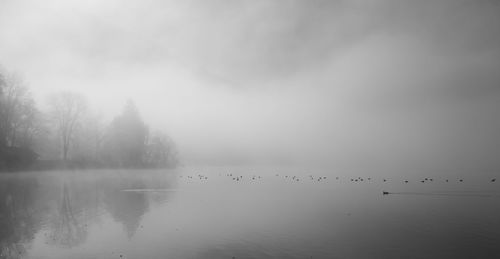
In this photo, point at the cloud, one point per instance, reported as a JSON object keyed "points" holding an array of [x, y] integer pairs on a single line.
{"points": [[242, 42], [388, 82]]}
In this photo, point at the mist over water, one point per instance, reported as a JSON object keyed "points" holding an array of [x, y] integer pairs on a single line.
{"points": [[249, 129], [265, 213], [398, 84]]}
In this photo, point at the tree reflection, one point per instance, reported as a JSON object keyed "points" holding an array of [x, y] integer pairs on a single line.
{"points": [[67, 207], [18, 223], [127, 207], [67, 230]]}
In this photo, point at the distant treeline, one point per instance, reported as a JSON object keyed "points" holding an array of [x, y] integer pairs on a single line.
{"points": [[69, 135]]}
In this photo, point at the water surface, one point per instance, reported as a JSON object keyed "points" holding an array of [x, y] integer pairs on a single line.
{"points": [[245, 213]]}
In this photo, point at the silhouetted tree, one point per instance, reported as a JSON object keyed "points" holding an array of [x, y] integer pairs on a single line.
{"points": [[74, 133], [18, 114], [161, 151], [19, 122], [68, 109], [127, 138]]}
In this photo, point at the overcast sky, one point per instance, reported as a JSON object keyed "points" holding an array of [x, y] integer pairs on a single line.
{"points": [[389, 84]]}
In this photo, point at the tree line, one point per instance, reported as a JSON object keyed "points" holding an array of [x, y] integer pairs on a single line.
{"points": [[69, 134]]}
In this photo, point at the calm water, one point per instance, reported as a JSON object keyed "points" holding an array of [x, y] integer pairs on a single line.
{"points": [[178, 214]]}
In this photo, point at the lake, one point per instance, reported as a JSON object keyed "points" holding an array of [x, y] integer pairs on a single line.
{"points": [[246, 212]]}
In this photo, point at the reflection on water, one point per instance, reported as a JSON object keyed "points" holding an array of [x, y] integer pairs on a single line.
{"points": [[64, 206], [66, 230], [18, 217], [127, 208], [245, 214]]}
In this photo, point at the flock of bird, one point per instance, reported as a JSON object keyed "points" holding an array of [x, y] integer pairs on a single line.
{"points": [[240, 177]]}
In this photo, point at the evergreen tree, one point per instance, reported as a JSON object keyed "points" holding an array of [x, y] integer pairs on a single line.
{"points": [[128, 137]]}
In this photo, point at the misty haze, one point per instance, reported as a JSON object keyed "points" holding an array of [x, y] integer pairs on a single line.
{"points": [[249, 129]]}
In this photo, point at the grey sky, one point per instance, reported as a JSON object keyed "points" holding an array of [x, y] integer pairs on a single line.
{"points": [[394, 84]]}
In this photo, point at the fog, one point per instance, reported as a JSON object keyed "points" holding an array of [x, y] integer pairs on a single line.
{"points": [[355, 85]]}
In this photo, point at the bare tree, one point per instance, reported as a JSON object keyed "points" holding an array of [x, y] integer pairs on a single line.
{"points": [[29, 125], [68, 109], [18, 114]]}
